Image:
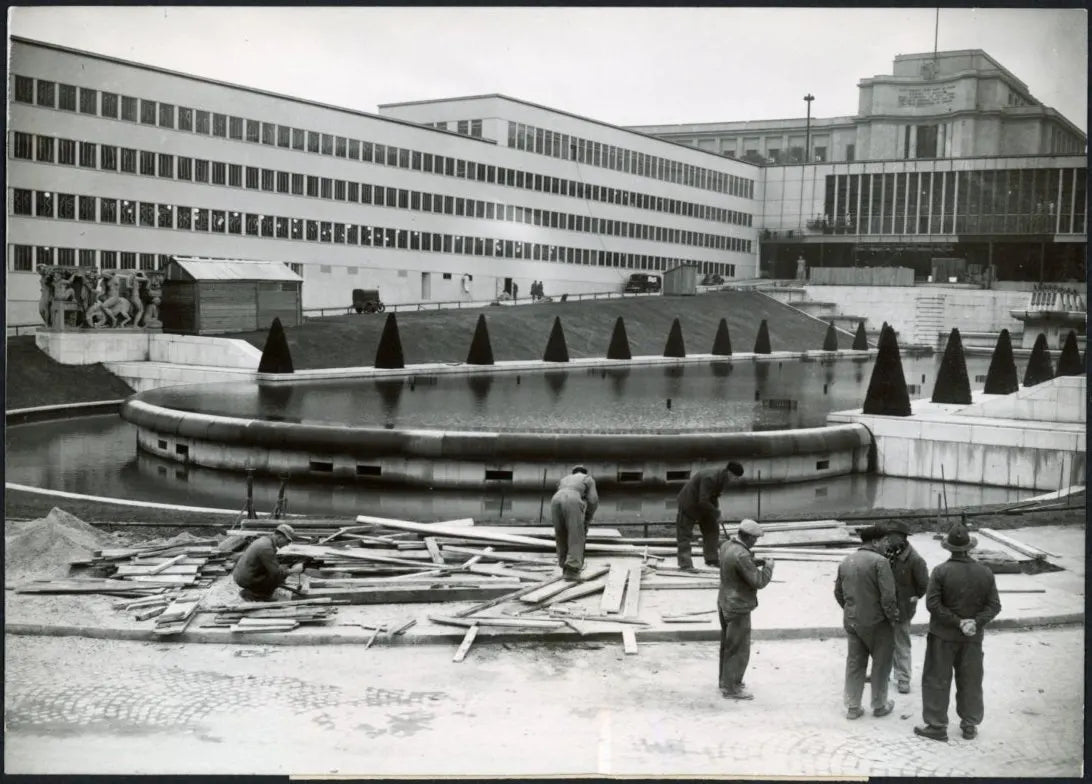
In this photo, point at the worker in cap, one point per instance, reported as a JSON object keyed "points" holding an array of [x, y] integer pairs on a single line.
{"points": [[911, 581], [699, 502], [572, 509], [741, 577], [257, 572], [865, 590]]}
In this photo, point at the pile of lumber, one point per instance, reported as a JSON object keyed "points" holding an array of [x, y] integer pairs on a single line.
{"points": [[173, 609], [272, 616], [180, 565]]}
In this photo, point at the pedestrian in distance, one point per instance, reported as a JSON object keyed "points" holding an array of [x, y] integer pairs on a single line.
{"points": [[258, 572], [699, 502], [961, 599], [741, 577], [865, 590], [911, 581], [572, 509]]}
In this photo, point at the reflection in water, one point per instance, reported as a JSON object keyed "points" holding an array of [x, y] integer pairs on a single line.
{"points": [[390, 392], [97, 456], [480, 384], [555, 380], [273, 401], [617, 376]]}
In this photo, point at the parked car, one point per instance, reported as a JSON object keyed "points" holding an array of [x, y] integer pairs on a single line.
{"points": [[367, 301], [643, 283]]}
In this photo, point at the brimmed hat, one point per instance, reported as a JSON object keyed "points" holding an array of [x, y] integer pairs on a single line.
{"points": [[750, 527], [871, 532], [959, 540], [286, 531], [897, 527]]}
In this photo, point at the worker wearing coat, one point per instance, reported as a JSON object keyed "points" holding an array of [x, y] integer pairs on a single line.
{"points": [[572, 509], [257, 572], [962, 598], [865, 590], [741, 577], [699, 502], [911, 581]]}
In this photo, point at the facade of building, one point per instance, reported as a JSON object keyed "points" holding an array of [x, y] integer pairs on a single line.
{"points": [[958, 104], [118, 165]]}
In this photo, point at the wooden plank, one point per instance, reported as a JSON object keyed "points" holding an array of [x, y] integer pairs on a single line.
{"points": [[529, 623], [150, 612], [1024, 549], [267, 605], [410, 595], [559, 585], [433, 549], [577, 591], [507, 597], [493, 555], [167, 564], [132, 570], [478, 534], [633, 591], [502, 571], [464, 646], [616, 584], [629, 641]]}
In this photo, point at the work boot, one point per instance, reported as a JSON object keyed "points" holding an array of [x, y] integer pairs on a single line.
{"points": [[970, 732], [738, 693], [570, 575], [886, 709], [904, 687], [931, 732], [854, 713]]}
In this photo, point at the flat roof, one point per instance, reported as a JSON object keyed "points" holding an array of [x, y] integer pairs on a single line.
{"points": [[234, 269]]}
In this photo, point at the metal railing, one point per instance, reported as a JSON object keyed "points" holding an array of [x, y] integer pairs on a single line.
{"points": [[403, 307]]}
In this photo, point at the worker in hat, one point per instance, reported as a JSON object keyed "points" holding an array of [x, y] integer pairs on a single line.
{"points": [[911, 581], [257, 572], [741, 577], [961, 599], [572, 509], [865, 590], [699, 502]]}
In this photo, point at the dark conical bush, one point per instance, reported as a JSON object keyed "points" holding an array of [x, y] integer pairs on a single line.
{"points": [[276, 358], [481, 350], [762, 340], [952, 384], [887, 394], [675, 346], [619, 343], [1001, 378], [722, 342], [1069, 364], [556, 350], [860, 340], [830, 341], [1039, 368], [389, 352]]}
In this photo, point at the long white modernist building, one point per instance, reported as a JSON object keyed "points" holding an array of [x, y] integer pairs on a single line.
{"points": [[119, 165]]}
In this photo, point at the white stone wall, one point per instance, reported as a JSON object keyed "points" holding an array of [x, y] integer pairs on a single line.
{"points": [[204, 350]]}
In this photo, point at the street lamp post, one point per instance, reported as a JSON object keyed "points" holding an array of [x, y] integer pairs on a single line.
{"points": [[807, 128]]}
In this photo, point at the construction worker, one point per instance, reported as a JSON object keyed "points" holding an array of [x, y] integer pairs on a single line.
{"points": [[911, 582], [699, 502], [572, 509], [257, 571], [741, 577]]}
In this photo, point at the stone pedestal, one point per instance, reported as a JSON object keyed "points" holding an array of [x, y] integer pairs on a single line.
{"points": [[91, 346]]}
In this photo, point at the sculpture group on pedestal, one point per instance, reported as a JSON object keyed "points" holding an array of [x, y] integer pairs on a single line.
{"points": [[81, 297]]}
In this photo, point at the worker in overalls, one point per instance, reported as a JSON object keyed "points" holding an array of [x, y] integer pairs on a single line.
{"points": [[572, 509]]}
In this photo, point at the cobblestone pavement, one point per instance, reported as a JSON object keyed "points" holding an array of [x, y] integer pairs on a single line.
{"points": [[75, 705]]}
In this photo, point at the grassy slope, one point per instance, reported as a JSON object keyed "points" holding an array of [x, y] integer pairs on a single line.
{"points": [[521, 332], [32, 378]]}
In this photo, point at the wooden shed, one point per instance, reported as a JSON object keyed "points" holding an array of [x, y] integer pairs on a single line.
{"points": [[207, 296], [681, 280]]}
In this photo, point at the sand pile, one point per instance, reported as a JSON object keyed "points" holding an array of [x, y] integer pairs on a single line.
{"points": [[45, 547]]}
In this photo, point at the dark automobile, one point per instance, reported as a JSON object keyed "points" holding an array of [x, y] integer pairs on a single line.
{"points": [[643, 283], [367, 301]]}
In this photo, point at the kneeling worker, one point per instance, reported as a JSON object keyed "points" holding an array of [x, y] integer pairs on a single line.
{"points": [[257, 571], [572, 509]]}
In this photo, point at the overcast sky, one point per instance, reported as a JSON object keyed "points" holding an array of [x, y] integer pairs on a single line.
{"points": [[627, 66]]}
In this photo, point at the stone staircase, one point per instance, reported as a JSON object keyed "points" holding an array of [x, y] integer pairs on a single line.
{"points": [[928, 319]]}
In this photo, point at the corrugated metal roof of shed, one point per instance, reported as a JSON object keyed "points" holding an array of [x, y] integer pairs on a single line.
{"points": [[234, 269]]}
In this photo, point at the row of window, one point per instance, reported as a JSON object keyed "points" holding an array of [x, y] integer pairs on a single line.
{"points": [[69, 152], [573, 148], [1004, 201], [462, 127], [170, 216], [26, 257], [165, 115]]}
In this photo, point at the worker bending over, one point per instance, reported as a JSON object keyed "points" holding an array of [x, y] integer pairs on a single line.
{"points": [[257, 572], [572, 508], [699, 502]]}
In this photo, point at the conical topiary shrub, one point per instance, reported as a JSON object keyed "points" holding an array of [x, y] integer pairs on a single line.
{"points": [[1001, 378], [481, 350], [887, 394], [1069, 363], [762, 340], [389, 352], [1039, 368], [952, 384], [830, 341], [276, 358], [675, 346], [556, 350], [860, 340], [619, 343], [722, 342]]}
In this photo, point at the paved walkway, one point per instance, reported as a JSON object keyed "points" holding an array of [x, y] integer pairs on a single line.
{"points": [[800, 604]]}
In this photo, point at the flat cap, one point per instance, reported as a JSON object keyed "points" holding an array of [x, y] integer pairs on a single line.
{"points": [[286, 530], [750, 527]]}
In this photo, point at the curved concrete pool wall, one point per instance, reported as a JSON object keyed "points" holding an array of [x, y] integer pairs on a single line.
{"points": [[451, 459]]}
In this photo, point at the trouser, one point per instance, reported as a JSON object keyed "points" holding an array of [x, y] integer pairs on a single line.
{"points": [[570, 531], [684, 527], [261, 586], [735, 648], [876, 641], [942, 658], [902, 652]]}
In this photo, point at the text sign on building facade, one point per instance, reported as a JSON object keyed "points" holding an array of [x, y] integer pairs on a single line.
{"points": [[935, 95]]}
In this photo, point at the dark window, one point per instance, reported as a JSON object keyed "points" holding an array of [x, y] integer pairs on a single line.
{"points": [[22, 201], [66, 257], [234, 223], [366, 151], [23, 144], [44, 255], [340, 147], [66, 152], [253, 130], [165, 216], [147, 214], [252, 177], [147, 112], [127, 213], [128, 260], [312, 185], [185, 217], [297, 229], [327, 187], [312, 230], [185, 118], [185, 168], [47, 92], [297, 139], [235, 128], [66, 97], [312, 141], [235, 175], [202, 122], [45, 149], [284, 136], [252, 225], [269, 133], [44, 204], [147, 163], [110, 105], [108, 210], [476, 128], [219, 125], [282, 228], [128, 108], [166, 165], [87, 154], [339, 190], [166, 115], [200, 220], [297, 184], [24, 89], [354, 149], [147, 261], [327, 144], [108, 259], [200, 170], [268, 178], [89, 101], [267, 225]]}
